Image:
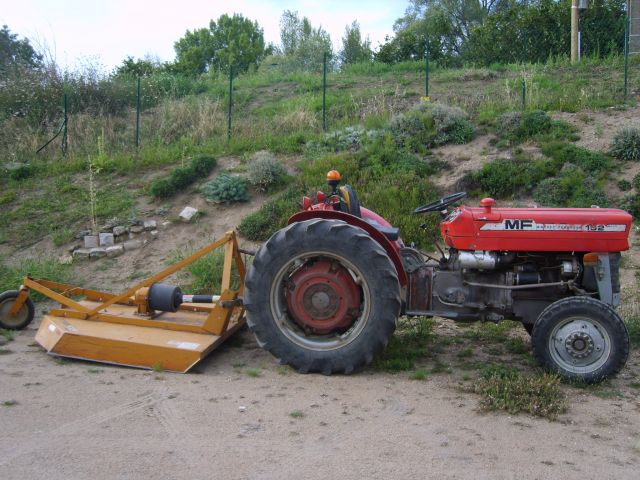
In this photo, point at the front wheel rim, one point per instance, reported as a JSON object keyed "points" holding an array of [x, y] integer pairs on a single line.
{"points": [[291, 330], [580, 345]]}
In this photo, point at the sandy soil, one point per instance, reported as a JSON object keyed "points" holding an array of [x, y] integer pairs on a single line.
{"points": [[76, 420]]}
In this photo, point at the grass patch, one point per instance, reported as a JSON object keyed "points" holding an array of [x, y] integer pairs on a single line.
{"points": [[296, 414], [10, 403], [11, 277], [9, 335], [204, 276], [507, 389], [182, 177], [633, 325], [253, 372], [419, 375], [517, 345], [410, 342], [157, 367]]}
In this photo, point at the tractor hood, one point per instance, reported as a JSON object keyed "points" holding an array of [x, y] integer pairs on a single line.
{"points": [[536, 229]]}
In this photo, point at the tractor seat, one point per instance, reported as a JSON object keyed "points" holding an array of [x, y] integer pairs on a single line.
{"points": [[350, 204]]}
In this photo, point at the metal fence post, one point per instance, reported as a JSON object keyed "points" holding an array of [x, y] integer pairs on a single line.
{"points": [[426, 68], [230, 102], [138, 115], [324, 93], [626, 56], [65, 123]]}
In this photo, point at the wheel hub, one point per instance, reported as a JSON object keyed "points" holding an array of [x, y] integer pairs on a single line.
{"points": [[322, 296], [579, 344]]}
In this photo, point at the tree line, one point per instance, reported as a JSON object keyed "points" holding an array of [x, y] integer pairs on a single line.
{"points": [[455, 32]]}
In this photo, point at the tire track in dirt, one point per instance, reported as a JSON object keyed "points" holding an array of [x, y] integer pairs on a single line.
{"points": [[41, 440]]}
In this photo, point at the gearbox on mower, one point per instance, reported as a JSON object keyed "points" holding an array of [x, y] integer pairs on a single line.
{"points": [[324, 294]]}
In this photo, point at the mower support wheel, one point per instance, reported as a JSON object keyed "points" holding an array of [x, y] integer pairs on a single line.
{"points": [[581, 339], [21, 319], [322, 296]]}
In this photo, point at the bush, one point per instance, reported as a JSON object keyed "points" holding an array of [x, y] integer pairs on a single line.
{"points": [[273, 215], [428, 125], [504, 178], [516, 127], [226, 189], [180, 178], [625, 185], [572, 188], [588, 160], [631, 203], [265, 171], [626, 144]]}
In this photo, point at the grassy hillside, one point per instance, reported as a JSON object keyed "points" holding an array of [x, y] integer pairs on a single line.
{"points": [[385, 152]]}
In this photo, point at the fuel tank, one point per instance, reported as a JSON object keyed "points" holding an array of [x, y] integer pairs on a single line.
{"points": [[536, 229]]}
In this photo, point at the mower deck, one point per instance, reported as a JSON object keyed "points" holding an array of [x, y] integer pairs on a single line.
{"points": [[173, 350]]}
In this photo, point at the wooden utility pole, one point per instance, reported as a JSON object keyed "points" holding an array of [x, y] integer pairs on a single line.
{"points": [[575, 26]]}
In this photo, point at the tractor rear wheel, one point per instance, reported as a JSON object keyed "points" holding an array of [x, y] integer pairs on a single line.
{"points": [[322, 296], [581, 339]]}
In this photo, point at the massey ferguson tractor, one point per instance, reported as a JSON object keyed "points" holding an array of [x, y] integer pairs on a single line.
{"points": [[324, 294]]}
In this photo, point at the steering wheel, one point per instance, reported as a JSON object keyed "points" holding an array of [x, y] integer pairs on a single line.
{"points": [[441, 204]]}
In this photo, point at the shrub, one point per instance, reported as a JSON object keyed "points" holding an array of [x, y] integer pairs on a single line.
{"points": [[516, 127], [265, 171], [504, 178], [588, 160], [572, 188], [625, 185], [626, 144], [273, 215], [226, 189], [631, 203], [427, 125], [182, 177]]}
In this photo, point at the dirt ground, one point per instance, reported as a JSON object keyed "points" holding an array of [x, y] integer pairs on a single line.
{"points": [[240, 415]]}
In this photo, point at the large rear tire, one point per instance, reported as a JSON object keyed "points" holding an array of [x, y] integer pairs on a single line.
{"points": [[581, 339], [322, 296]]}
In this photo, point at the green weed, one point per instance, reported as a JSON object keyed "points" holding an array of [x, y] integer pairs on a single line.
{"points": [[411, 341], [12, 276], [506, 389], [419, 375], [253, 372], [297, 414]]}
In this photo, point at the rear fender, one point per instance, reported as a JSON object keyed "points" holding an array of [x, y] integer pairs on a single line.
{"points": [[357, 222]]}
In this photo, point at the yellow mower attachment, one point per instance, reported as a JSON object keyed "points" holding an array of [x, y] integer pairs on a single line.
{"points": [[151, 325]]}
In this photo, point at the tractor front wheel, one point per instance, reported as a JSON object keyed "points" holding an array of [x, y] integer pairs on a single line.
{"points": [[322, 296], [581, 339]]}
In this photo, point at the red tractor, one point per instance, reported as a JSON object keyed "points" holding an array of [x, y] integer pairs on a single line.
{"points": [[324, 294]]}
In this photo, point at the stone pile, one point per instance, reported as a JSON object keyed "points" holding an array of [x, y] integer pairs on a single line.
{"points": [[114, 239]]}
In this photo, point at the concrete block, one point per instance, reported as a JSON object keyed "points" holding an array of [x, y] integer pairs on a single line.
{"points": [[150, 225], [115, 251], [106, 239], [119, 230], [66, 260], [81, 254], [132, 245], [188, 213], [98, 252], [91, 241], [137, 229]]}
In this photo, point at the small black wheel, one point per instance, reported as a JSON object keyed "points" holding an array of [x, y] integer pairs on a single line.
{"points": [[322, 296], [22, 318], [581, 339]]}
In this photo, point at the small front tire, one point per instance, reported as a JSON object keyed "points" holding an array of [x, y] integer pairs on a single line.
{"points": [[581, 339], [22, 318]]}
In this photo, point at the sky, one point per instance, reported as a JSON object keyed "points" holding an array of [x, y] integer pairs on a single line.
{"points": [[104, 32]]}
